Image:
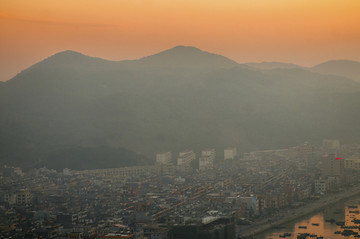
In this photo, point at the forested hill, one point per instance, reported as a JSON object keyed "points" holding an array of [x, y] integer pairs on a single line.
{"points": [[69, 105]]}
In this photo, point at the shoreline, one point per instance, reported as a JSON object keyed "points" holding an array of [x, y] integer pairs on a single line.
{"points": [[296, 213]]}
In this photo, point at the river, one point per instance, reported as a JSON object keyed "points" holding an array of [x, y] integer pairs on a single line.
{"points": [[322, 224]]}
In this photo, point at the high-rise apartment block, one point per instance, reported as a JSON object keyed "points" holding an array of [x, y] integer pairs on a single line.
{"points": [[332, 166], [206, 161], [230, 153], [163, 158], [208, 153], [185, 158]]}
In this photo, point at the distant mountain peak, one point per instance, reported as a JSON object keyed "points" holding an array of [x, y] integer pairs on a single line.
{"points": [[69, 58], [185, 48], [339, 63], [188, 57], [68, 53], [181, 50], [347, 68]]}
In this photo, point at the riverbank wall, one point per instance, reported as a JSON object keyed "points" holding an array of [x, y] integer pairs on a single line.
{"points": [[297, 213]]}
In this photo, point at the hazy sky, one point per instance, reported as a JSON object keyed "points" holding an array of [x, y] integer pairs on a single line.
{"points": [[304, 32]]}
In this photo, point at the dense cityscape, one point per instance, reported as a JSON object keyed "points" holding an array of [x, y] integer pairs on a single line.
{"points": [[215, 195]]}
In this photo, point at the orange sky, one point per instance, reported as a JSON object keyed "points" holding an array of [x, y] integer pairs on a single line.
{"points": [[305, 32]]}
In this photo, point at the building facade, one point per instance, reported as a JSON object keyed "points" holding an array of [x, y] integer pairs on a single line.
{"points": [[332, 165], [352, 164], [185, 158], [230, 153], [163, 158]]}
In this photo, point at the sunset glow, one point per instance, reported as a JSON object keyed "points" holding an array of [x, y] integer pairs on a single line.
{"points": [[299, 31]]}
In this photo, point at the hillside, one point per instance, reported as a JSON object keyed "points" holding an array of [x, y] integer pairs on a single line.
{"points": [[349, 69], [187, 57], [272, 65], [69, 105]]}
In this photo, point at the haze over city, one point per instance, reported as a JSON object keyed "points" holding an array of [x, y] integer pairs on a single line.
{"points": [[300, 32]]}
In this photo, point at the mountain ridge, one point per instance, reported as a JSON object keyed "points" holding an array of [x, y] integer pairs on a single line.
{"points": [[266, 65], [192, 57], [347, 68], [68, 57], [148, 108], [187, 56]]}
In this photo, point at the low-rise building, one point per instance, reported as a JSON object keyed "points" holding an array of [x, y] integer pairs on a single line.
{"points": [[352, 163], [321, 186]]}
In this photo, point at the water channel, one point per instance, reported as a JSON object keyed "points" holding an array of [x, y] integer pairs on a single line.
{"points": [[341, 220]]}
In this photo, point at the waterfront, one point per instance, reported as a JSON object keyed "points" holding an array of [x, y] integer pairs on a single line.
{"points": [[322, 224]]}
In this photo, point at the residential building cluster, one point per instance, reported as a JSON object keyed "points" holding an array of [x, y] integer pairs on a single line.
{"points": [[186, 197]]}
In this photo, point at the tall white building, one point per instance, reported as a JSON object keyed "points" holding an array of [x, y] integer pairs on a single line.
{"points": [[209, 153], [185, 158], [206, 163], [230, 153], [163, 158]]}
